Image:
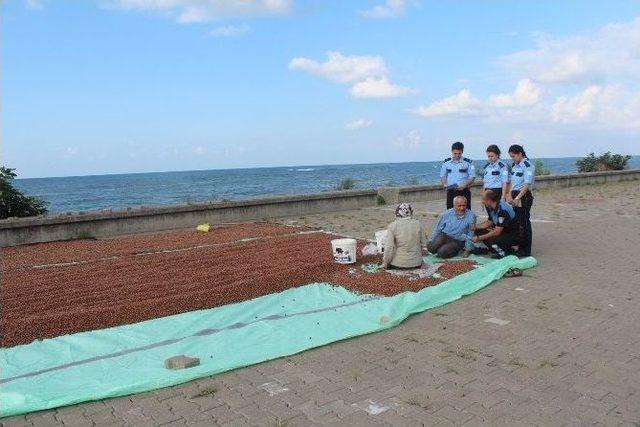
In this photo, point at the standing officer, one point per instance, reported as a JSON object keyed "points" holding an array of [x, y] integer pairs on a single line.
{"points": [[496, 175], [457, 174], [522, 177]]}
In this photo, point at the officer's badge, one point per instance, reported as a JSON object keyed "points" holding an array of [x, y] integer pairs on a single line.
{"points": [[500, 220]]}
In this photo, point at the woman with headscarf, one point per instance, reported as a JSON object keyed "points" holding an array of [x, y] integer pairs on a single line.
{"points": [[405, 240]]}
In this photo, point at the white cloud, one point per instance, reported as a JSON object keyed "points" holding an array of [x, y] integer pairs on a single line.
{"points": [[411, 140], [462, 103], [369, 74], [378, 88], [526, 94], [577, 108], [341, 68], [188, 11], [599, 106], [34, 4], [613, 50], [72, 151], [358, 124], [230, 30], [389, 9]]}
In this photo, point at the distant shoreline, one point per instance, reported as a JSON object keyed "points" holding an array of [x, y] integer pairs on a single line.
{"points": [[633, 156], [121, 191]]}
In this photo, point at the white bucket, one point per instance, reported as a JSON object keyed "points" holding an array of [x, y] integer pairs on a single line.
{"points": [[381, 240], [344, 251]]}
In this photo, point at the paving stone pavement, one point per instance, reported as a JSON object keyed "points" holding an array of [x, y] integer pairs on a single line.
{"points": [[567, 353]]}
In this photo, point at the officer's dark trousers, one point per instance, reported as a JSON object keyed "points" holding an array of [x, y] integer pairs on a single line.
{"points": [[523, 215], [497, 191], [466, 193], [505, 240], [445, 246]]}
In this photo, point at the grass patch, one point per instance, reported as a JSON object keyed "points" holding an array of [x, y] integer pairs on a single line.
{"points": [[346, 184], [516, 362], [207, 391], [462, 353], [277, 422], [418, 402], [546, 363]]}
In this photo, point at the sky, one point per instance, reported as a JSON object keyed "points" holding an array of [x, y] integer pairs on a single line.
{"points": [[122, 86]]}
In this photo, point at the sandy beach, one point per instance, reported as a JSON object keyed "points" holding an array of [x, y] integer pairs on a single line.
{"points": [[556, 346]]}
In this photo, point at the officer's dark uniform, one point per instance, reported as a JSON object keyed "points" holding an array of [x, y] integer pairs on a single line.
{"points": [[523, 173], [457, 173], [502, 216], [494, 176]]}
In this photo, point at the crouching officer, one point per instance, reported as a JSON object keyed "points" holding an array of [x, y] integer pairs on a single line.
{"points": [[500, 231], [457, 174], [522, 177]]}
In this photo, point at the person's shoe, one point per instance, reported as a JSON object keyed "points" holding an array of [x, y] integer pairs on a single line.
{"points": [[497, 256], [480, 251]]}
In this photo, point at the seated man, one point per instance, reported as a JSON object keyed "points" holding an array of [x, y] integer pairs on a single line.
{"points": [[500, 231], [453, 231], [405, 240]]}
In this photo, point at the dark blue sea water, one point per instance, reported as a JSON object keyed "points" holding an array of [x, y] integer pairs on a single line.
{"points": [[80, 193]]}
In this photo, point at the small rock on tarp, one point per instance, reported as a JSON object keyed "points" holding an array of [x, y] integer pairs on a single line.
{"points": [[181, 362]]}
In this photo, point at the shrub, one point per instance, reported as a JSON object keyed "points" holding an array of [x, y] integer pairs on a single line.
{"points": [[12, 202], [541, 168], [380, 200], [346, 184], [604, 162]]}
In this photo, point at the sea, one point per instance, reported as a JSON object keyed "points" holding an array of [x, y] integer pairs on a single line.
{"points": [[119, 191]]}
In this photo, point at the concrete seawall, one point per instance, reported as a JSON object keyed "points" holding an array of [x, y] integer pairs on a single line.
{"points": [[18, 231]]}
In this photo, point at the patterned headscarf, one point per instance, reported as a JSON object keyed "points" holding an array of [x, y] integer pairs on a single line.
{"points": [[404, 210]]}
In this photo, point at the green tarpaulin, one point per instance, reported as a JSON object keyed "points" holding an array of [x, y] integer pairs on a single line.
{"points": [[130, 358]]}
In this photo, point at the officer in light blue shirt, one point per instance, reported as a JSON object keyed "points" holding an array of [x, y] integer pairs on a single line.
{"points": [[496, 175], [453, 231], [457, 174], [522, 177]]}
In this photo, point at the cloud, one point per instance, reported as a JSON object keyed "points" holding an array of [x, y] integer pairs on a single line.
{"points": [[389, 9], [411, 140], [368, 74], [463, 103], [358, 124], [599, 106], [188, 11], [526, 94], [340, 68], [230, 30], [613, 50], [378, 88], [34, 4]]}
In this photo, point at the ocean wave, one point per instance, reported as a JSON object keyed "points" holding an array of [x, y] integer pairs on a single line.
{"points": [[305, 169]]}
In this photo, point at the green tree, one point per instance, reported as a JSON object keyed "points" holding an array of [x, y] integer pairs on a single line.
{"points": [[12, 202], [604, 162], [541, 168]]}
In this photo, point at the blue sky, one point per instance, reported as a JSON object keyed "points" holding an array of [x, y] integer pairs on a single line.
{"points": [[116, 86]]}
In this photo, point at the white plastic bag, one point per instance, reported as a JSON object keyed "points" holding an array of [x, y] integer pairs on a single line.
{"points": [[370, 249]]}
